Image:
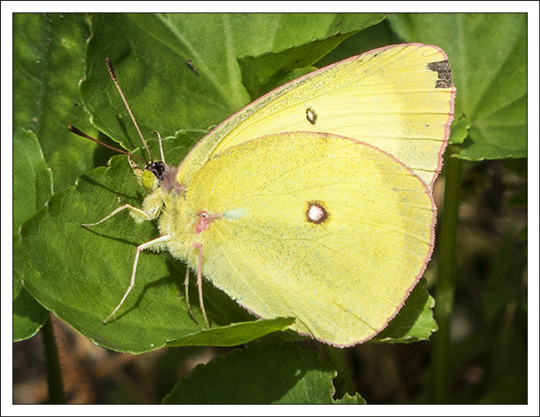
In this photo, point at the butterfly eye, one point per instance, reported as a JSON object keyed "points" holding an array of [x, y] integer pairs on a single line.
{"points": [[157, 168], [149, 180]]}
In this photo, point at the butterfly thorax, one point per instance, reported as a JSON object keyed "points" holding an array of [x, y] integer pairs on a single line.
{"points": [[168, 180], [167, 203]]}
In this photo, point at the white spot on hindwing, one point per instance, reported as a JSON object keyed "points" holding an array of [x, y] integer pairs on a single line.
{"points": [[316, 213]]}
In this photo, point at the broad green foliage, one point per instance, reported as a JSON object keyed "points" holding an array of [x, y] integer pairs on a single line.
{"points": [[61, 181], [76, 271], [286, 375], [32, 187], [48, 62]]}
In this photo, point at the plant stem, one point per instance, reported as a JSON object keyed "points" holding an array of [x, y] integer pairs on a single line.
{"points": [[54, 373], [444, 293]]}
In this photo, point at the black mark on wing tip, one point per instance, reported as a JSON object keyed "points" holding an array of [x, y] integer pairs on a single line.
{"points": [[311, 115], [444, 73]]}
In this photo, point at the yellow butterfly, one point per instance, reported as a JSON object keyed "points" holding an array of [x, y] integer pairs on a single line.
{"points": [[314, 201]]}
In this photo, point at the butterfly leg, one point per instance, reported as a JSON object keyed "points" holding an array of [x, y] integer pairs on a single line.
{"points": [[155, 244], [186, 287], [136, 212], [199, 282]]}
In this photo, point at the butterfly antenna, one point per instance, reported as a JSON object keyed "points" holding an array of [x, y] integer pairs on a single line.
{"points": [[160, 145], [113, 76], [84, 135]]}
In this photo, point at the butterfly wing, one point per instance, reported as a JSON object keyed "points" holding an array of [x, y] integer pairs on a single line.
{"points": [[323, 228], [398, 98]]}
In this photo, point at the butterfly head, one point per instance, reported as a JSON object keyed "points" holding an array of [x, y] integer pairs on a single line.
{"points": [[157, 174]]}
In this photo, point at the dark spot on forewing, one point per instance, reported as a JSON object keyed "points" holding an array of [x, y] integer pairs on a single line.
{"points": [[311, 115]]}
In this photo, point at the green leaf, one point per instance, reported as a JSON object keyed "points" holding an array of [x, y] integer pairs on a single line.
{"points": [[490, 74], [351, 399], [32, 186], [234, 334], [48, 61], [414, 322], [212, 43], [28, 315], [323, 32], [371, 38], [32, 179], [149, 52], [259, 375]]}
